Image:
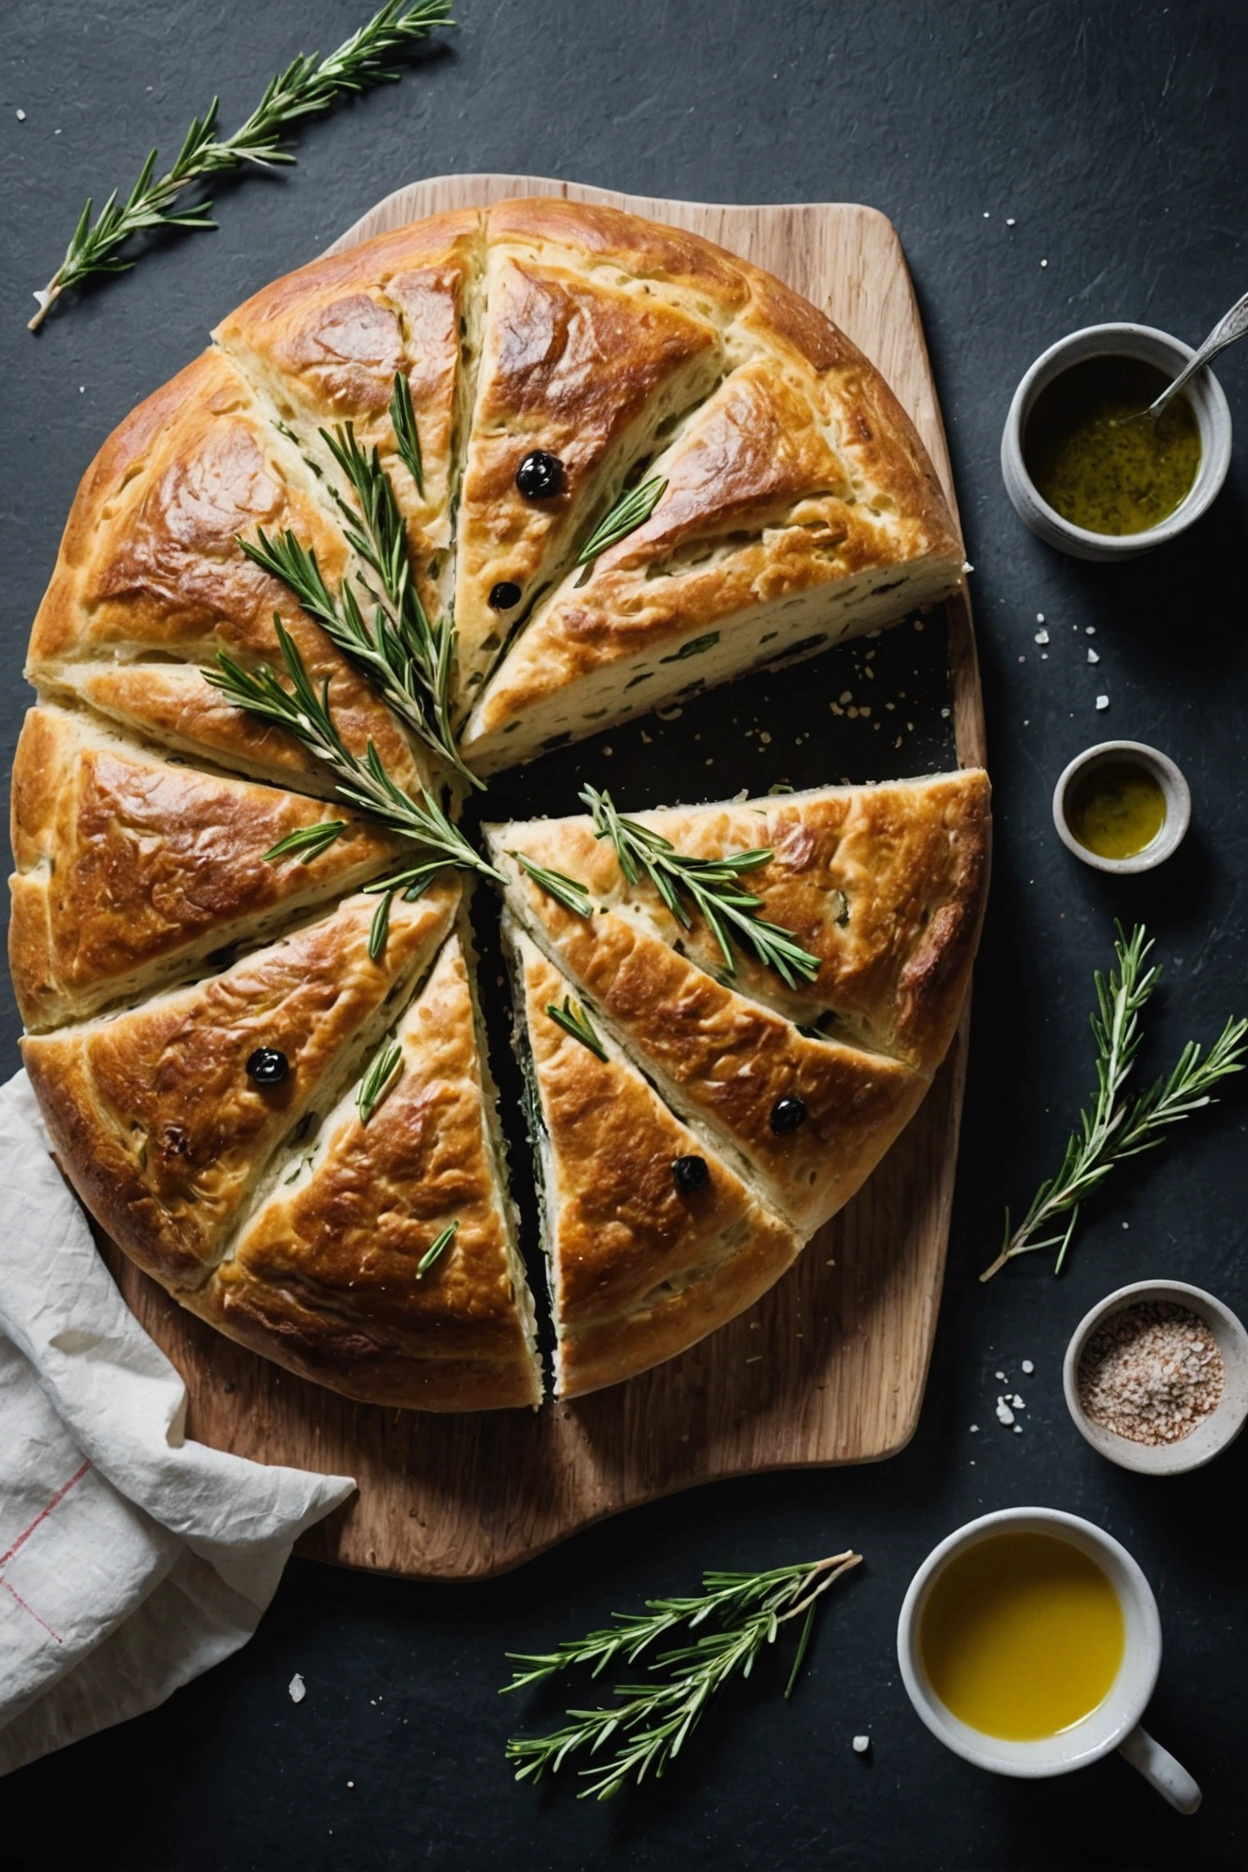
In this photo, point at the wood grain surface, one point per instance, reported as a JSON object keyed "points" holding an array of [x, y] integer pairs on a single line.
{"points": [[830, 1366]]}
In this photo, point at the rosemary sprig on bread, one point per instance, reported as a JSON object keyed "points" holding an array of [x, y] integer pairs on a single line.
{"points": [[711, 886], [408, 659], [1115, 1127], [650, 1721], [309, 85], [361, 782]]}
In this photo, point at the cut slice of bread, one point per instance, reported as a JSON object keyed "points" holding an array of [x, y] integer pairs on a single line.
{"points": [[331, 1275], [154, 1117], [641, 1268], [722, 1062], [133, 871]]}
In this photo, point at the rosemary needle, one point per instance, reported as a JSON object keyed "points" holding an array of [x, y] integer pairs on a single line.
{"points": [[575, 1021], [309, 85], [1115, 1127]]}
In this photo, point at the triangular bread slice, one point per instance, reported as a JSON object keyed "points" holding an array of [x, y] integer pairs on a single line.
{"points": [[884, 885], [799, 509], [133, 870], [153, 1115], [639, 1271], [588, 365], [151, 574], [325, 1277], [721, 1061], [322, 346]]}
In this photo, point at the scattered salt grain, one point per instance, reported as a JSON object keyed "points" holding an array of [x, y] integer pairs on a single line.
{"points": [[298, 1689], [861, 1744], [1004, 1414], [1092, 656], [1018, 1429], [1009, 221], [1044, 263], [974, 1426], [999, 1376], [1042, 636], [1028, 1367], [1089, 630], [1039, 617], [1102, 701], [1017, 1402], [21, 116]]}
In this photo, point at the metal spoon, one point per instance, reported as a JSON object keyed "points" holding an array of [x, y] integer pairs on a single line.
{"points": [[1224, 333]]}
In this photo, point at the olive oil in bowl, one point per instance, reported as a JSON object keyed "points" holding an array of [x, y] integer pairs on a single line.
{"points": [[1116, 808], [1098, 459], [1022, 1636]]}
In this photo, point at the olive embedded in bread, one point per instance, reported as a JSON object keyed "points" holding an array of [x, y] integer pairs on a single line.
{"points": [[268, 1066], [787, 1114], [540, 476], [690, 1173], [504, 596]]}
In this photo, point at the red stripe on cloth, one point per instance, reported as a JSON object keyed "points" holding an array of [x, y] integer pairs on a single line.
{"points": [[29, 1608], [43, 1514]]}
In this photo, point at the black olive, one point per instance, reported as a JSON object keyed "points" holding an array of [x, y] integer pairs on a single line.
{"points": [[267, 1066], [505, 596], [689, 1174], [540, 476], [787, 1114]]}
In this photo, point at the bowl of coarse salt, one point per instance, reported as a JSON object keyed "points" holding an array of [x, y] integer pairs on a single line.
{"points": [[1156, 1377]]}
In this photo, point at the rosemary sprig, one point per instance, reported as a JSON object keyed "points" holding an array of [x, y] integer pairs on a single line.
{"points": [[403, 422], [363, 783], [377, 1081], [1115, 1128], [307, 842], [565, 890], [632, 510], [308, 85], [436, 1249], [652, 1720], [575, 1021], [408, 659], [711, 884]]}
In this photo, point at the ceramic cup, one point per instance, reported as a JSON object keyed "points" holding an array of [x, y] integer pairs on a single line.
{"points": [[1216, 1431], [1174, 790], [1114, 1724], [1212, 414]]}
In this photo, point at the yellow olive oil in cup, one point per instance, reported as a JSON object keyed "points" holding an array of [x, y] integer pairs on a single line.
{"points": [[1098, 459], [1116, 808], [1022, 1636]]}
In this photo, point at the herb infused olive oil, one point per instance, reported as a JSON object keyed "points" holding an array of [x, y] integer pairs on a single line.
{"points": [[1098, 459], [1116, 809], [1022, 1636]]}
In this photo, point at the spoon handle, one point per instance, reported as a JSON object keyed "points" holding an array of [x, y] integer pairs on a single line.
{"points": [[1224, 333]]}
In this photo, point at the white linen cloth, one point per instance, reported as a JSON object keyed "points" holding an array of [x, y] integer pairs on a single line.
{"points": [[130, 1558]]}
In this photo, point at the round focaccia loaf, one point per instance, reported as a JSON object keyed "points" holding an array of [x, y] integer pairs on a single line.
{"points": [[556, 357]]}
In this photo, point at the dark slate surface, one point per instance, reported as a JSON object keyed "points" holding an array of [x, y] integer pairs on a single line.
{"points": [[1114, 136]]}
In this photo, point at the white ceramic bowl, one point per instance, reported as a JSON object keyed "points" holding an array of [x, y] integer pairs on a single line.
{"points": [[1212, 414], [1174, 787], [1216, 1431], [1114, 1724]]}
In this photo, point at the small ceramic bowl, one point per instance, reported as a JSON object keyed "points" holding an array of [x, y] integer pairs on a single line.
{"points": [[1207, 400], [1212, 1435], [1174, 787]]}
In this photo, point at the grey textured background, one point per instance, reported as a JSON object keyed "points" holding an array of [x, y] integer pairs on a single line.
{"points": [[1114, 134]]}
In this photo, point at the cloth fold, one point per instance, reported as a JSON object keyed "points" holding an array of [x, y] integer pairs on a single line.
{"points": [[131, 1558]]}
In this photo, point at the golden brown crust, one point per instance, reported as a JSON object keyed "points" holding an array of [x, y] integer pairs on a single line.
{"points": [[324, 344], [760, 508], [640, 1271], [152, 1114], [131, 870], [722, 1061], [324, 1277], [150, 567], [585, 370], [884, 885]]}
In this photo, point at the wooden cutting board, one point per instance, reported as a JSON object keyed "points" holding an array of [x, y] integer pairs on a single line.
{"points": [[830, 1366]]}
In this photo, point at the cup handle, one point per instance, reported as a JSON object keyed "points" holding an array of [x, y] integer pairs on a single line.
{"points": [[1161, 1770]]}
